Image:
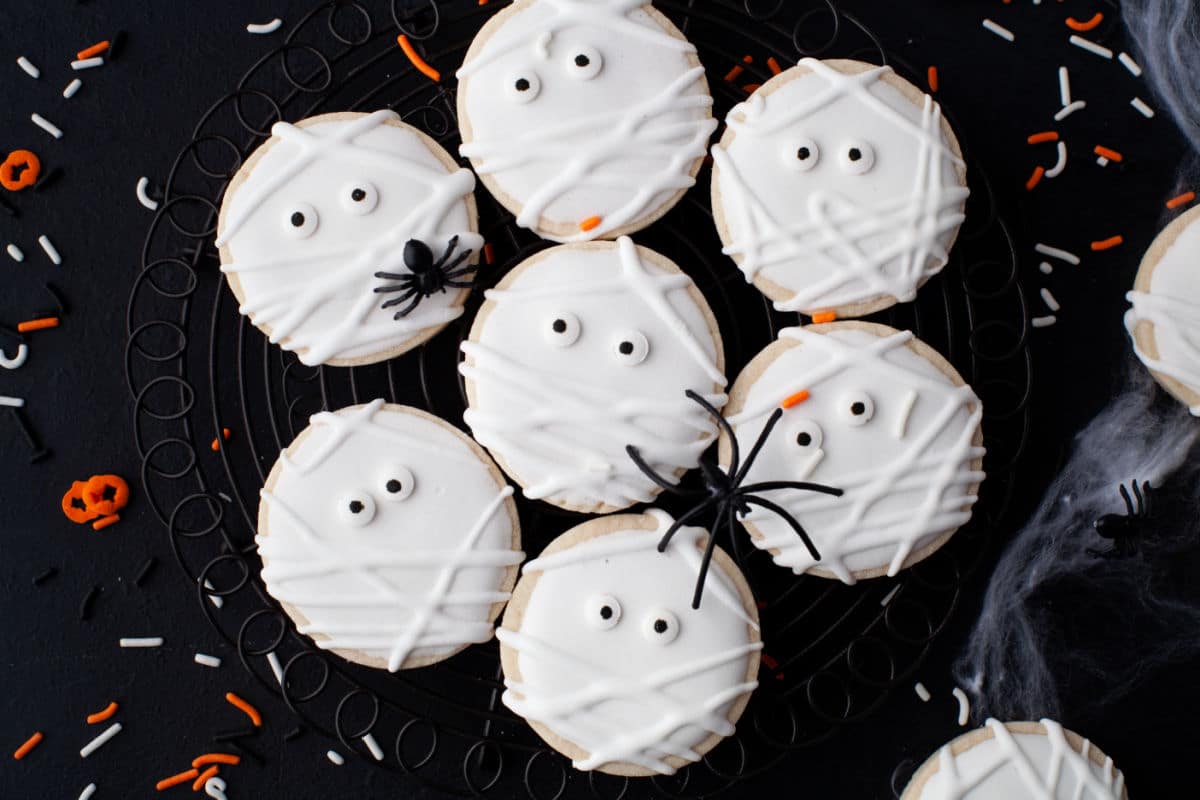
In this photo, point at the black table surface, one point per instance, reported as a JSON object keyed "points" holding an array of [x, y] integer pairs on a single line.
{"points": [[130, 119]]}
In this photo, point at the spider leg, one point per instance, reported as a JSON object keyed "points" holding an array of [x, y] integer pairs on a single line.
{"points": [[463, 256], [449, 250], [467, 270], [417, 298], [704, 562], [722, 423], [1128, 501], [727, 512], [767, 486], [683, 520], [459, 284], [1146, 494], [649, 472], [1140, 502], [394, 276], [395, 301], [740, 474], [391, 287], [789, 519]]}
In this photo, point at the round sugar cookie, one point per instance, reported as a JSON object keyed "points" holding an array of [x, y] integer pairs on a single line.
{"points": [[321, 233], [872, 411], [585, 349], [1164, 322], [587, 119], [388, 536], [838, 187], [606, 659], [1002, 761]]}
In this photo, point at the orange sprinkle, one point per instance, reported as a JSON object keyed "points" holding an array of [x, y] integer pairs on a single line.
{"points": [[416, 59], [589, 224], [1108, 244], [796, 399], [822, 317], [1035, 178], [249, 710], [489, 253], [104, 522], [751, 88], [773, 65], [1111, 155], [215, 445], [216, 758], [203, 777], [733, 74], [37, 324], [30, 167], [30, 743], [483, 2], [1090, 24], [932, 76], [101, 716], [94, 50], [769, 662], [1044, 136], [175, 780], [1181, 200]]}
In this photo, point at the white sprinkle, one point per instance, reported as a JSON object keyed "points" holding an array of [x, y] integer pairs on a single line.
{"points": [[887, 598], [1057, 169], [144, 198], [215, 599], [1130, 64], [922, 692], [207, 660], [1043, 322], [335, 757], [11, 402], [1067, 111], [265, 27], [148, 641], [15, 253], [1143, 109], [1102, 161], [51, 250], [276, 667], [964, 706], [17, 361], [1054, 252], [98, 742], [88, 791], [225, 497], [1064, 86], [1049, 300], [999, 30], [373, 746], [27, 65], [87, 63], [46, 125], [72, 88], [906, 407], [1045, 267], [1090, 46]]}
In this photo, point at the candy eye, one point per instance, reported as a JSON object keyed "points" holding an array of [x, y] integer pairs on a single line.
{"points": [[857, 408], [603, 611], [631, 349], [563, 330], [584, 63], [801, 155], [809, 435], [660, 627], [524, 87], [398, 484], [360, 198], [856, 157], [300, 221], [357, 509]]}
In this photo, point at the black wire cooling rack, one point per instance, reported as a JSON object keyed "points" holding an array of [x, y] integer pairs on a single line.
{"points": [[195, 366]]}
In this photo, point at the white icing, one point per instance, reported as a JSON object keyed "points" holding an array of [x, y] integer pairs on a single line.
{"points": [[1023, 765], [617, 139], [1172, 306], [420, 577], [907, 473], [312, 285], [838, 232], [622, 692], [558, 418]]}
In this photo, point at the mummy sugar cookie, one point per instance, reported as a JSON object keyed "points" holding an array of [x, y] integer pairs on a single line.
{"points": [[388, 536], [349, 238], [581, 351], [1164, 322], [606, 659], [876, 413], [838, 186], [588, 119], [1001, 761]]}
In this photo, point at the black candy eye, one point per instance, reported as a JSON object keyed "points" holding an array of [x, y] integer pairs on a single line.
{"points": [[856, 158], [397, 482], [584, 63], [808, 434], [801, 154], [631, 348], [300, 221], [360, 198], [563, 329], [804, 438], [858, 408], [603, 611], [661, 627], [357, 509], [523, 87]]}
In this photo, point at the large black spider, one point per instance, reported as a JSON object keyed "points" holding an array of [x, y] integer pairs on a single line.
{"points": [[426, 276], [724, 490], [1125, 529]]}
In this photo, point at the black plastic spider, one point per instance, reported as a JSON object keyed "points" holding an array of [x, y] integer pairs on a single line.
{"points": [[426, 276], [1124, 529], [724, 490]]}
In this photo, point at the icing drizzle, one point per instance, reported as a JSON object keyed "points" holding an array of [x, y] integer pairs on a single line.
{"points": [[1180, 319], [286, 307], [888, 248]]}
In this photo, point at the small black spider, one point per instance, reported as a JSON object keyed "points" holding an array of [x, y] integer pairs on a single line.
{"points": [[1124, 529], [426, 276], [724, 490]]}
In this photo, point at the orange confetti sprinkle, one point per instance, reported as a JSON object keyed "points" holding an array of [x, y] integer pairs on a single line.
{"points": [[1035, 178], [216, 758], [1181, 200], [795, 399], [733, 74], [249, 710], [175, 780], [30, 743], [589, 224], [932, 76], [37, 324], [203, 777], [1087, 25], [1108, 244], [822, 317], [94, 50], [1111, 155], [28, 165], [773, 65], [489, 253], [105, 714], [416, 59], [104, 522], [1044, 136]]}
